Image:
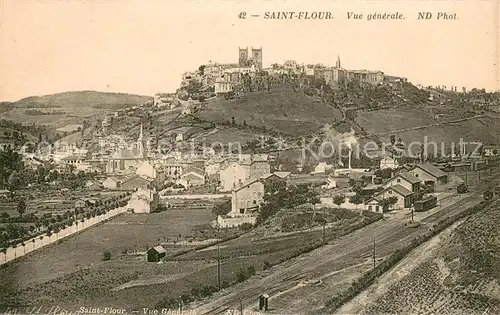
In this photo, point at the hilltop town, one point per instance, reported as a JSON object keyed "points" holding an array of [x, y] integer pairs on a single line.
{"points": [[232, 177]]}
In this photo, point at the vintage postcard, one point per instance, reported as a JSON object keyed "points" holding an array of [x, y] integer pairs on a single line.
{"points": [[249, 157]]}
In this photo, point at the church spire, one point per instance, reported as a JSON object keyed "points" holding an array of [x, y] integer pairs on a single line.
{"points": [[338, 61], [141, 135], [140, 142]]}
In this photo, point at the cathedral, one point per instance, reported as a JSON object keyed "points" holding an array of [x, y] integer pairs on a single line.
{"points": [[126, 160], [247, 60]]}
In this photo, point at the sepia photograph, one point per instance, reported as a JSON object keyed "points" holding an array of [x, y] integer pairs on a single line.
{"points": [[250, 157]]}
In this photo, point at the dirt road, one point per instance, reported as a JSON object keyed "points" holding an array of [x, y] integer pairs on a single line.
{"points": [[336, 264]]}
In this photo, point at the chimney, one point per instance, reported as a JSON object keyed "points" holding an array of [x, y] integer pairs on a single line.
{"points": [[350, 157]]}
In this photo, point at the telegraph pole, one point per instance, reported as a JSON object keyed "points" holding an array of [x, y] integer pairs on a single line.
{"points": [[324, 225], [218, 256], [373, 253]]}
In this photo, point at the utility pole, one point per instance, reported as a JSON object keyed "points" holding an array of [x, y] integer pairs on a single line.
{"points": [[373, 253], [466, 177], [412, 213], [324, 225], [218, 256]]}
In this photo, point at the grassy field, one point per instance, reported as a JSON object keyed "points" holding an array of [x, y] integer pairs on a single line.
{"points": [[80, 256], [387, 120], [73, 273], [282, 110], [485, 130]]}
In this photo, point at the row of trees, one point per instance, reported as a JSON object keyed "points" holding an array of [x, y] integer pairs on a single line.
{"points": [[358, 199], [13, 234]]}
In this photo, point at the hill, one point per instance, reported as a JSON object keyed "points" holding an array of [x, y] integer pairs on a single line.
{"points": [[60, 109], [81, 98], [281, 110]]}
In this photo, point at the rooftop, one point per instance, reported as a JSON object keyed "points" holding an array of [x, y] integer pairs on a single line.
{"points": [[431, 169], [412, 179], [401, 190]]}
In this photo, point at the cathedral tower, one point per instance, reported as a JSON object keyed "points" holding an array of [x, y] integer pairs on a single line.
{"points": [[243, 57], [257, 57]]}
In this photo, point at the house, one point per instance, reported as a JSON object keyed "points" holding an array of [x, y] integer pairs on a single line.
{"points": [[126, 160], [406, 180], [156, 254], [73, 160], [174, 168], [144, 201], [275, 176], [429, 174], [112, 183], [321, 168], [134, 182], [283, 175], [330, 184], [248, 167], [93, 185], [179, 137], [490, 150], [213, 167], [156, 172], [404, 198], [80, 204], [246, 199], [388, 162], [192, 178]]}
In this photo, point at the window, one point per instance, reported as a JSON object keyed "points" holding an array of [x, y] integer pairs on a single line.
{"points": [[398, 180], [255, 202], [416, 175], [242, 211]]}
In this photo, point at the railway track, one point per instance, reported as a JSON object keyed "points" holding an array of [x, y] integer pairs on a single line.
{"points": [[390, 235]]}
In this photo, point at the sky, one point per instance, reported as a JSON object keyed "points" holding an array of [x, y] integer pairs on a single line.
{"points": [[143, 47]]}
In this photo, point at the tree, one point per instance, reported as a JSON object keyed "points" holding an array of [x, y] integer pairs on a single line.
{"points": [[356, 199], [106, 255], [393, 139], [387, 203], [222, 208], [21, 207], [338, 200], [488, 195], [462, 188]]}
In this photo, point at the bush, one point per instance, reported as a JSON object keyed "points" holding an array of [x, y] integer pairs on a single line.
{"points": [[462, 188], [241, 276], [106, 256], [246, 227], [267, 265], [169, 303]]}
